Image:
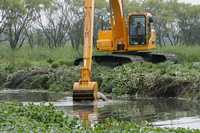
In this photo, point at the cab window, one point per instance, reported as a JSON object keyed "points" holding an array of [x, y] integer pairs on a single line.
{"points": [[137, 30]]}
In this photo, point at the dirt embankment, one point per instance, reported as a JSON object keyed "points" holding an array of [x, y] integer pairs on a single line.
{"points": [[60, 79], [161, 80]]}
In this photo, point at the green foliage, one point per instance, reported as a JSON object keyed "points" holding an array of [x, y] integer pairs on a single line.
{"points": [[175, 22], [50, 61], [54, 65], [65, 63], [27, 57], [60, 79], [17, 16], [184, 53], [56, 87], [9, 68], [63, 78], [39, 118], [19, 118], [100, 4], [38, 68], [159, 80]]}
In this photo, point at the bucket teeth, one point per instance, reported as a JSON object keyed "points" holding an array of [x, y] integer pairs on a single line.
{"points": [[79, 95]]}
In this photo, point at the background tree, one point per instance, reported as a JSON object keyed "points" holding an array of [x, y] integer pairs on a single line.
{"points": [[55, 23], [19, 14]]}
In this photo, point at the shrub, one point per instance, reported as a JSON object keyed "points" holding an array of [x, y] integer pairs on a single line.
{"points": [[148, 79]]}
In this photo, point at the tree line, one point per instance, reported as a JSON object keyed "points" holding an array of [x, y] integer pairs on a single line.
{"points": [[54, 23]]}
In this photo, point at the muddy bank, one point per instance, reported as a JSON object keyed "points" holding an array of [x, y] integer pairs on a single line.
{"points": [[137, 79], [59, 79]]}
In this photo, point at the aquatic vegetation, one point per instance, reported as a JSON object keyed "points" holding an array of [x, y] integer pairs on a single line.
{"points": [[39, 118], [157, 80], [18, 118]]}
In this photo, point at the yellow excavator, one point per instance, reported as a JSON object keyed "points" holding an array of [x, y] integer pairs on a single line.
{"points": [[125, 39]]}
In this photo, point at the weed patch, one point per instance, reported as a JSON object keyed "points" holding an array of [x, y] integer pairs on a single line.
{"points": [[60, 79], [39, 118], [146, 79], [30, 118]]}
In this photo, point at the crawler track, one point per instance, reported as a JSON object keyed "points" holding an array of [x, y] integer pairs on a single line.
{"points": [[117, 59]]}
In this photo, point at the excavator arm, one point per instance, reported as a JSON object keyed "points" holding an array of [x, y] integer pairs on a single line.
{"points": [[85, 89]]}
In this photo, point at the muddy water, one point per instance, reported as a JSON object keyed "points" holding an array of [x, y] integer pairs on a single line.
{"points": [[171, 113]]}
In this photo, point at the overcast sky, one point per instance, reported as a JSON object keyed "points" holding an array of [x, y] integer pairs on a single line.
{"points": [[191, 1]]}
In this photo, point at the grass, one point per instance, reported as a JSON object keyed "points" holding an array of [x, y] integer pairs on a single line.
{"points": [[43, 57], [39, 118], [184, 53], [27, 57]]}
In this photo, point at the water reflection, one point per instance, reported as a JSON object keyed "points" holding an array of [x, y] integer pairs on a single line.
{"points": [[155, 111], [90, 113], [87, 113]]}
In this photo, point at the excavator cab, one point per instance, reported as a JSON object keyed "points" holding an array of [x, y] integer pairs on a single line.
{"points": [[140, 29], [142, 36], [135, 34]]}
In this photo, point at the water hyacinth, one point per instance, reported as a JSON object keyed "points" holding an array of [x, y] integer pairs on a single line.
{"points": [[41, 119]]}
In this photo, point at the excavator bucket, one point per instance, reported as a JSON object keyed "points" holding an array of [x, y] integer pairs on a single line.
{"points": [[85, 91]]}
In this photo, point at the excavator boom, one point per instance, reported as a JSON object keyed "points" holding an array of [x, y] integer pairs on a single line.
{"points": [[85, 89]]}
